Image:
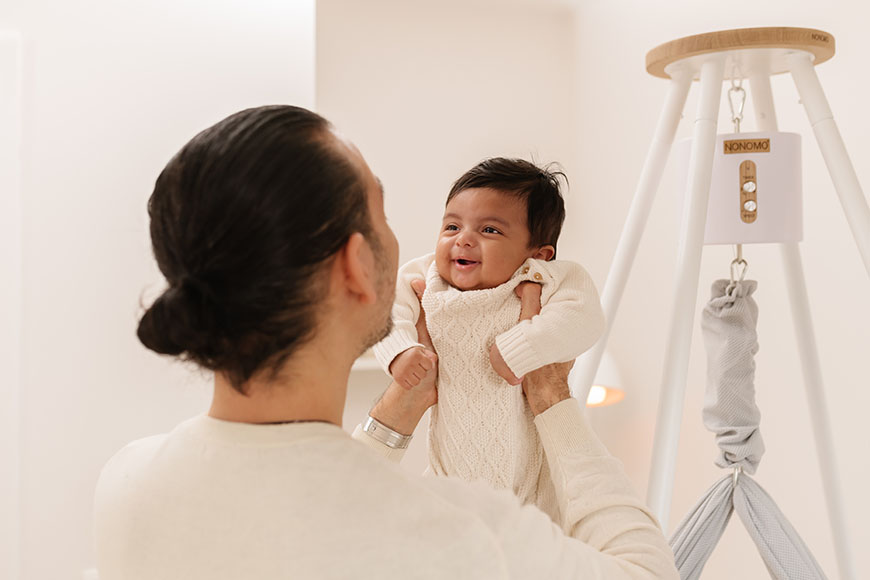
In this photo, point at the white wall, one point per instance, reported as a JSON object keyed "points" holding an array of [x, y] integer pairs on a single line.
{"points": [[428, 89], [10, 297], [111, 91], [613, 40]]}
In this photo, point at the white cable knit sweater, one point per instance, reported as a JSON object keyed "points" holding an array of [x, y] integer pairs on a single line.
{"points": [[482, 427]]}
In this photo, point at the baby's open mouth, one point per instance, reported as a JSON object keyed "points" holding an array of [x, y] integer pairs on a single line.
{"points": [[464, 262]]}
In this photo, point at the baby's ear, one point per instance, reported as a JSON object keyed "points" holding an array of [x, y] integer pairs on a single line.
{"points": [[545, 253]]}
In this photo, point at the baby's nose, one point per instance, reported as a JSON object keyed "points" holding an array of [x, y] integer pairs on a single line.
{"points": [[464, 239]]}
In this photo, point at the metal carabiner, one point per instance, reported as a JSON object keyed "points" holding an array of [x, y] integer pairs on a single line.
{"points": [[738, 266], [738, 93], [736, 475], [738, 269]]}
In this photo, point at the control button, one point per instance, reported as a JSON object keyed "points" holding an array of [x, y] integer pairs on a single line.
{"points": [[749, 187], [750, 206]]}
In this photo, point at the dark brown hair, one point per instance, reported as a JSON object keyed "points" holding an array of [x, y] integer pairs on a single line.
{"points": [[538, 187], [242, 219]]}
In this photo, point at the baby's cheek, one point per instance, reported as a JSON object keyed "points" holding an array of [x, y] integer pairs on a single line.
{"points": [[506, 268], [443, 266]]}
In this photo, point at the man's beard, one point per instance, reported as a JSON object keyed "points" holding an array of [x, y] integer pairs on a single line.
{"points": [[376, 337], [386, 297]]}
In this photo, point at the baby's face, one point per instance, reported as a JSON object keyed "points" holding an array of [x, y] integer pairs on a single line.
{"points": [[484, 239]]}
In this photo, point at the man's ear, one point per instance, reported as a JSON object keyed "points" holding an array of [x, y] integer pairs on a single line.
{"points": [[357, 268], [545, 253]]}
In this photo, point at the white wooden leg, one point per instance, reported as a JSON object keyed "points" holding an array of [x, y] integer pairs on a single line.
{"points": [[833, 150], [670, 411], [629, 240], [818, 407], [765, 116], [762, 102]]}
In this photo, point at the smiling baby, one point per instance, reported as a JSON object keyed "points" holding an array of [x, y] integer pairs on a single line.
{"points": [[500, 227]]}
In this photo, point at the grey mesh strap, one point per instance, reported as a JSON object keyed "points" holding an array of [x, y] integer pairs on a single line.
{"points": [[728, 323], [730, 412]]}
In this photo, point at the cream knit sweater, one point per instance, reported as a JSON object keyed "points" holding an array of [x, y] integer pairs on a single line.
{"points": [[215, 500], [482, 427]]}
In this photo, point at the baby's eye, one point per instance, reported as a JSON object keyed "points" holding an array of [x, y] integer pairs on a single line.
{"points": [[451, 227], [490, 230]]}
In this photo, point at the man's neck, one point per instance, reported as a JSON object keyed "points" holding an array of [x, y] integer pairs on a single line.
{"points": [[308, 387]]}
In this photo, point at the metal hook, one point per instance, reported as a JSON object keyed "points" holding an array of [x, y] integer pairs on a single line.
{"points": [[738, 270], [738, 266], [736, 101], [736, 475]]}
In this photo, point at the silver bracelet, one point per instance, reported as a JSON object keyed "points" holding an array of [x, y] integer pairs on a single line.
{"points": [[385, 435]]}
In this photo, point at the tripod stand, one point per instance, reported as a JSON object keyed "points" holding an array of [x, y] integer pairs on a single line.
{"points": [[757, 53]]}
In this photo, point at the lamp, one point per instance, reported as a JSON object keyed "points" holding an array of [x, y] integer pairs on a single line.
{"points": [[605, 389]]}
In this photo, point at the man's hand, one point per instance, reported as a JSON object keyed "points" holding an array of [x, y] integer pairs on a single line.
{"points": [[501, 367], [427, 387], [547, 385], [400, 407], [529, 294]]}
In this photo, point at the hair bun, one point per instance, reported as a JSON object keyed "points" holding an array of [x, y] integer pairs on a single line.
{"points": [[181, 320]]}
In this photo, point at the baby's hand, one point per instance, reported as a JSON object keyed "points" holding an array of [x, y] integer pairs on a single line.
{"points": [[501, 367], [411, 366]]}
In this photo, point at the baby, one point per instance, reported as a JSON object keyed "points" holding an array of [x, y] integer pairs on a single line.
{"points": [[500, 227]]}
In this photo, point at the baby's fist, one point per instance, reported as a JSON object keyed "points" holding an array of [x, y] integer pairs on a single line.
{"points": [[411, 366]]}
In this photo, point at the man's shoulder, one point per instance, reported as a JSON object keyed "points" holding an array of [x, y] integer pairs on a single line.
{"points": [[135, 452], [137, 455], [114, 490]]}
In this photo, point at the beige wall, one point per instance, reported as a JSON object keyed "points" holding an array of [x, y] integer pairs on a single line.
{"points": [[110, 91], [613, 39], [10, 298], [427, 89]]}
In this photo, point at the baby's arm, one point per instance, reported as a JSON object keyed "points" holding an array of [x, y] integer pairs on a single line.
{"points": [[529, 294], [406, 311], [570, 322]]}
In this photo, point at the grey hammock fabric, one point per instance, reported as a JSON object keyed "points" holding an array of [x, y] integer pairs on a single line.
{"points": [[781, 549], [730, 412], [699, 532], [784, 553]]}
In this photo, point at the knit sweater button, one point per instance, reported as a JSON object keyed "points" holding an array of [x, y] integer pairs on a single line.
{"points": [[538, 276], [526, 270]]}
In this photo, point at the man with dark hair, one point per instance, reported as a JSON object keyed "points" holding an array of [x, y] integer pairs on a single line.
{"points": [[267, 485]]}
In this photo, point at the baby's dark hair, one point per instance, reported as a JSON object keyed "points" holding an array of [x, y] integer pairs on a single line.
{"points": [[539, 187]]}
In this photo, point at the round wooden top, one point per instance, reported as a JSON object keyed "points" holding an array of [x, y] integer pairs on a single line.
{"points": [[817, 42]]}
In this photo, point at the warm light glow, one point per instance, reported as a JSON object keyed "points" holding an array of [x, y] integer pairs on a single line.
{"points": [[596, 395], [602, 396]]}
